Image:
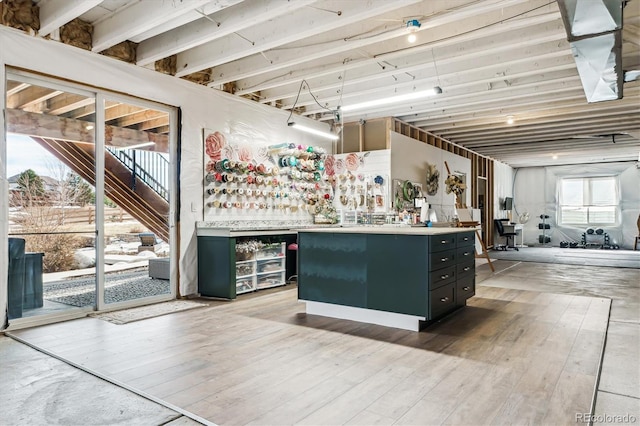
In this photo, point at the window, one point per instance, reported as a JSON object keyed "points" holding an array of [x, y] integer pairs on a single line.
{"points": [[589, 201]]}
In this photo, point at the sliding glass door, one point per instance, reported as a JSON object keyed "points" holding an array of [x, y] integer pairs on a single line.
{"points": [[89, 201]]}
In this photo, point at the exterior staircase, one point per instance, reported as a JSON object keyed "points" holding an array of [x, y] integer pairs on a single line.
{"points": [[129, 181]]}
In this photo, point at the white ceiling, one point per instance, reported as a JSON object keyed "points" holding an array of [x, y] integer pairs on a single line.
{"points": [[492, 59]]}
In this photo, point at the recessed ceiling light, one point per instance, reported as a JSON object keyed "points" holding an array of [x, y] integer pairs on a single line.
{"points": [[412, 38], [510, 119], [554, 156]]}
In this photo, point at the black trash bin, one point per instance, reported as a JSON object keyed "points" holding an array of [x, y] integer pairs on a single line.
{"points": [[32, 281], [16, 277]]}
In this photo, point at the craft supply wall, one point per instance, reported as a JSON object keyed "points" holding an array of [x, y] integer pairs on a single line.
{"points": [[360, 180], [261, 184]]}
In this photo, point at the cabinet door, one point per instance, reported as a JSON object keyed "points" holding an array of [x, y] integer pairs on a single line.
{"points": [[216, 267]]}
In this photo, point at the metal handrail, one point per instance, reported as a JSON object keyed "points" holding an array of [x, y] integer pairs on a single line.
{"points": [[151, 167]]}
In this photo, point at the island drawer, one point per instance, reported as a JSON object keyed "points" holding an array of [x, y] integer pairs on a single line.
{"points": [[442, 259], [465, 268], [442, 242], [466, 253], [466, 239], [442, 276], [465, 288], [442, 300]]}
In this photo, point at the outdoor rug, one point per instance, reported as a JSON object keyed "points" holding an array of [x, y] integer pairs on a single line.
{"points": [[144, 312]]}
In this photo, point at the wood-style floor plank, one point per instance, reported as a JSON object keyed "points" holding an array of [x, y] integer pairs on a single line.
{"points": [[510, 355]]}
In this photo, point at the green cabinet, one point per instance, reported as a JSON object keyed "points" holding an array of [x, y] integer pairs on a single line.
{"points": [[222, 275], [421, 275]]}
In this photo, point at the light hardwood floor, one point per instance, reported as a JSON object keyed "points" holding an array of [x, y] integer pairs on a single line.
{"points": [[511, 356]]}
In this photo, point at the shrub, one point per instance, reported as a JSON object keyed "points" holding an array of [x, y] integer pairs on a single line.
{"points": [[59, 250]]}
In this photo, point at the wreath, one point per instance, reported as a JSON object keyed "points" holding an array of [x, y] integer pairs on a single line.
{"points": [[433, 179]]}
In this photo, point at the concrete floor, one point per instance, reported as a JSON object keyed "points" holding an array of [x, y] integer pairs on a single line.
{"points": [[37, 389]]}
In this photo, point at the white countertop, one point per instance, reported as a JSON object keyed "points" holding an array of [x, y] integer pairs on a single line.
{"points": [[389, 229]]}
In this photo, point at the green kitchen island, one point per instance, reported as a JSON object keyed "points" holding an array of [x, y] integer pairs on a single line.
{"points": [[398, 276]]}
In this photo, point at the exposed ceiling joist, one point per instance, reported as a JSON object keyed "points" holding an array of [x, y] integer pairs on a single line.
{"points": [[209, 28], [56, 13], [136, 19]]}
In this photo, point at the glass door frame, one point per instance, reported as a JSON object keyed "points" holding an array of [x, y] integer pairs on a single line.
{"points": [[99, 96]]}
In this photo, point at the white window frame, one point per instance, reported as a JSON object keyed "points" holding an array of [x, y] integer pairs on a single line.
{"points": [[587, 200]]}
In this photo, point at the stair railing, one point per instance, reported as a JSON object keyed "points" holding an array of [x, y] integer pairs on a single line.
{"points": [[149, 166]]}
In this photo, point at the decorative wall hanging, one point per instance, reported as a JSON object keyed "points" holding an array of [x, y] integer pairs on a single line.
{"points": [[433, 179]]}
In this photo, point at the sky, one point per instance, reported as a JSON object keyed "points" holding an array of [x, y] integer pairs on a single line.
{"points": [[23, 153]]}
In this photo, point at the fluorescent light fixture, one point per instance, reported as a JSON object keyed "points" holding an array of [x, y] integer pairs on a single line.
{"points": [[313, 131], [139, 145], [393, 99]]}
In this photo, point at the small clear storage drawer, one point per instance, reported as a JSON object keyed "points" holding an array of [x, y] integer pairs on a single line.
{"points": [[244, 285], [270, 279], [275, 265], [245, 268], [276, 250]]}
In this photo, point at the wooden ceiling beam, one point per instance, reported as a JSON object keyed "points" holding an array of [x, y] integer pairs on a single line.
{"points": [[393, 47], [32, 95], [297, 25], [56, 13], [55, 127], [232, 19], [136, 19]]}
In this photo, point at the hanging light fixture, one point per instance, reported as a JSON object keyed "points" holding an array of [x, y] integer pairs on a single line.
{"points": [[394, 99], [313, 131], [303, 128]]}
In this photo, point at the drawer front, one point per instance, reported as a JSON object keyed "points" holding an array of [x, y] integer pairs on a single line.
{"points": [[442, 242], [466, 254], [441, 277], [466, 239], [442, 300], [467, 268], [465, 288], [443, 259]]}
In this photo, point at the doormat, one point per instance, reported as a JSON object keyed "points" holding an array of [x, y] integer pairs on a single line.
{"points": [[144, 312]]}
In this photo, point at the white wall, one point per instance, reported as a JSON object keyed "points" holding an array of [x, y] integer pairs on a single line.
{"points": [[502, 188], [202, 107], [536, 193], [409, 158]]}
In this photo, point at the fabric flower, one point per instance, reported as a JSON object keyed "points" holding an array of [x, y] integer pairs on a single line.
{"points": [[352, 162], [214, 142], [329, 164]]}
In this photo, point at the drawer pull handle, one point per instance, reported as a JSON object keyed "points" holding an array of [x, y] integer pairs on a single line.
{"points": [[466, 288], [444, 259], [466, 253], [467, 268], [466, 238], [444, 277], [444, 299], [444, 241]]}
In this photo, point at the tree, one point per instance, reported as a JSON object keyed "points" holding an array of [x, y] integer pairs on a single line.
{"points": [[31, 185], [77, 190]]}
